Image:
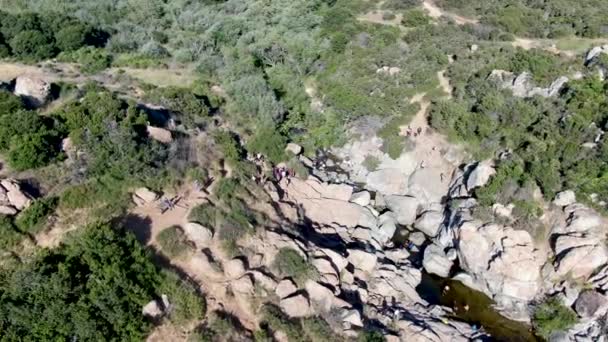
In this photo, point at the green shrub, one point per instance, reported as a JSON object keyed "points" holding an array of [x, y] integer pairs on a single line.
{"points": [[393, 146], [551, 316], [91, 60], [300, 169], [205, 214], [9, 235], [316, 329], [71, 38], [189, 108], [32, 219], [290, 263], [30, 151], [269, 142], [92, 288], [32, 45], [173, 242], [415, 17], [313, 329], [229, 146], [187, 304], [278, 321], [371, 336], [371, 163]]}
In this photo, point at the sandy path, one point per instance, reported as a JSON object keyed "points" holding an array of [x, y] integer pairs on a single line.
{"points": [[436, 12], [444, 82], [430, 147], [110, 78], [376, 17], [212, 283]]}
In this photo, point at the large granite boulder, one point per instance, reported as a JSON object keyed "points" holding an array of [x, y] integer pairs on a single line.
{"points": [[326, 204], [436, 261], [404, 207], [591, 304], [34, 91], [296, 306]]}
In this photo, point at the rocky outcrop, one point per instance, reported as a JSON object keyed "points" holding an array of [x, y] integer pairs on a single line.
{"points": [[522, 84], [480, 175], [200, 235], [296, 306], [595, 52], [502, 262], [436, 261], [160, 134], [157, 308], [144, 196], [34, 91], [404, 207], [579, 246], [362, 198], [564, 198], [429, 223], [591, 304], [13, 198], [386, 70], [286, 287], [294, 149], [328, 204]]}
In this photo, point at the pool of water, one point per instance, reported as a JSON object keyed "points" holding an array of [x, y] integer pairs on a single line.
{"points": [[474, 307]]}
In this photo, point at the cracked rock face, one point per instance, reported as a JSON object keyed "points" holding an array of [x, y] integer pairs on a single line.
{"points": [[328, 204], [579, 248], [501, 261]]}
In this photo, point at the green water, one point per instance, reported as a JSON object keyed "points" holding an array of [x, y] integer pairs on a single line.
{"points": [[480, 311]]}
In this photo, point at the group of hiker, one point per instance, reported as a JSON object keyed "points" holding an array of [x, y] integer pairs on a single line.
{"points": [[413, 133], [282, 172]]}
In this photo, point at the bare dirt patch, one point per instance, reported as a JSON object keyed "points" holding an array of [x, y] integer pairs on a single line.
{"points": [[436, 12]]}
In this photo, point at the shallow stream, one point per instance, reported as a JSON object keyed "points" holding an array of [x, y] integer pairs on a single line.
{"points": [[480, 309]]}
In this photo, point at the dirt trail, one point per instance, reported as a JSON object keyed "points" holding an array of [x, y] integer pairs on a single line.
{"points": [[429, 146], [212, 283], [112, 78], [444, 82], [436, 12], [544, 44], [377, 17]]}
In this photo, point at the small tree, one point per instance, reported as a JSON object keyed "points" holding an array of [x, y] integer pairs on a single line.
{"points": [[551, 316], [33, 45]]}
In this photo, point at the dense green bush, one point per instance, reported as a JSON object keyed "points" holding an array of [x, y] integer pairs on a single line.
{"points": [[90, 59], [313, 329], [32, 219], [9, 234], [32, 45], [415, 17], [290, 263], [29, 140], [205, 214], [92, 288], [174, 242], [537, 19], [35, 37], [187, 303], [269, 142], [551, 316], [183, 103]]}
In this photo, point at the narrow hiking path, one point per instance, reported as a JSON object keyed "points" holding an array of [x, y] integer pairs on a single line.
{"points": [[430, 147], [444, 83], [116, 79], [568, 47], [436, 12], [198, 265]]}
